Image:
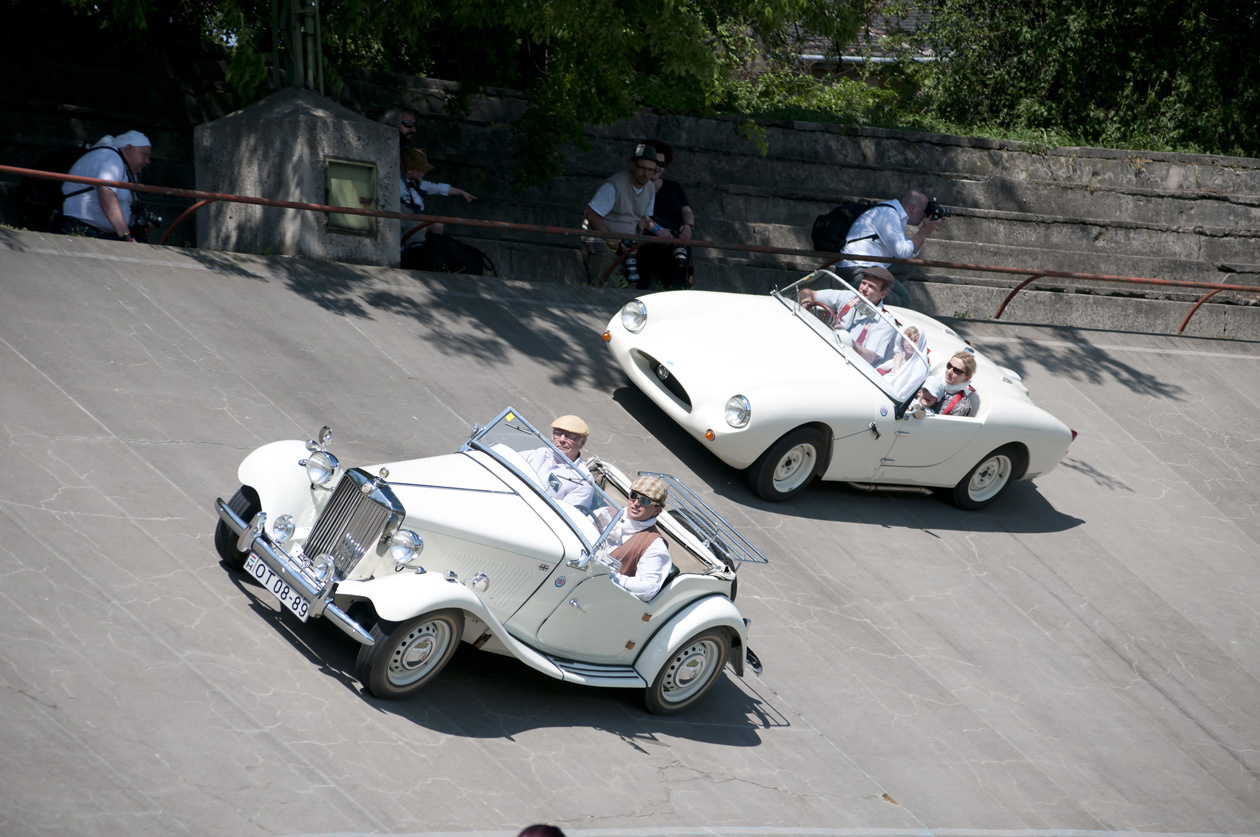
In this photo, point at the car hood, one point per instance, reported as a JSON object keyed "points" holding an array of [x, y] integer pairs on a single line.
{"points": [[733, 339]]}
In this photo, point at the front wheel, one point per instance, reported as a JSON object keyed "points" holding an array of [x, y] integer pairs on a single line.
{"points": [[986, 482], [788, 467], [689, 674], [246, 504], [411, 655]]}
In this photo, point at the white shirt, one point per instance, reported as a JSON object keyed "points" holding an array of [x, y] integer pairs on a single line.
{"points": [[653, 567], [888, 221], [564, 480], [106, 163], [606, 197], [869, 330]]}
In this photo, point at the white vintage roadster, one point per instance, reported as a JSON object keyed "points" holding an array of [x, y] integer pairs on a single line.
{"points": [[770, 386], [413, 557]]}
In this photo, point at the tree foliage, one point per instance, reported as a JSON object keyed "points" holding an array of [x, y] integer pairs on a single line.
{"points": [[1151, 74]]}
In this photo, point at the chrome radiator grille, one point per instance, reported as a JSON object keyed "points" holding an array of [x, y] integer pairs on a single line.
{"points": [[350, 524]]}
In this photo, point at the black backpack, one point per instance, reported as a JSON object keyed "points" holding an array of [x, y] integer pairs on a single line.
{"points": [[444, 254], [39, 199], [830, 229]]}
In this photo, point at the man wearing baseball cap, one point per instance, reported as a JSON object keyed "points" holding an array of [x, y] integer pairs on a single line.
{"points": [[638, 544], [566, 477]]}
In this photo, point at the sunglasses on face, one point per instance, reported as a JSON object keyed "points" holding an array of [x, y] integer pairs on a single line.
{"points": [[407, 123], [957, 370], [645, 502]]}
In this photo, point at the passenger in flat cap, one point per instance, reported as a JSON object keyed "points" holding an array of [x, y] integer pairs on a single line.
{"points": [[638, 544], [566, 477]]}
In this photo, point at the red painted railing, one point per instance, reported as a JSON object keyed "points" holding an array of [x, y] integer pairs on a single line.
{"points": [[205, 198]]}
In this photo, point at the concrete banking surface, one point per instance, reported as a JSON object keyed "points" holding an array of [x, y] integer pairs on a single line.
{"points": [[1082, 657]]}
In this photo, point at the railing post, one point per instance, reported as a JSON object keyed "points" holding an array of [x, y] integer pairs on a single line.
{"points": [[1017, 289]]}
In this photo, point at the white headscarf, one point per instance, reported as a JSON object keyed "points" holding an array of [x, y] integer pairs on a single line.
{"points": [[132, 138], [906, 381]]}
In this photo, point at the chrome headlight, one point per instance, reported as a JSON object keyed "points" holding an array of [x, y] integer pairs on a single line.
{"points": [[405, 547], [321, 467], [282, 528], [634, 316], [738, 411]]}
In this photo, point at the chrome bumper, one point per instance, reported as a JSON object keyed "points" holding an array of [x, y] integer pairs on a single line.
{"points": [[284, 566]]}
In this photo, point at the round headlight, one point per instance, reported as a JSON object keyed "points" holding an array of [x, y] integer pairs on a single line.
{"points": [[282, 528], [321, 467], [738, 411], [323, 567], [405, 546], [634, 316]]}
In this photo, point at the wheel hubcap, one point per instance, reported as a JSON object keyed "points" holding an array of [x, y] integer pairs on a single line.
{"points": [[690, 670], [794, 467], [418, 652], [990, 477]]}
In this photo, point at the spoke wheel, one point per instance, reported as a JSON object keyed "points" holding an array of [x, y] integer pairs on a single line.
{"points": [[411, 655], [988, 480], [246, 504], [689, 674], [789, 466]]}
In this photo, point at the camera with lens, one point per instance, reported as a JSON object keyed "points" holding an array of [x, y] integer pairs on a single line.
{"points": [[935, 211], [142, 217], [680, 255]]}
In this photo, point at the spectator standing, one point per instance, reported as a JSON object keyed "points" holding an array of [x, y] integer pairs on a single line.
{"points": [[668, 263], [622, 205], [105, 211], [881, 231]]}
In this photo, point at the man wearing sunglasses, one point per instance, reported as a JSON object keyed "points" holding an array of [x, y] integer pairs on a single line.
{"points": [[566, 477], [957, 400], [623, 204], [638, 544]]}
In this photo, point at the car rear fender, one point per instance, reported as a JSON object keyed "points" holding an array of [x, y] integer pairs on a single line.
{"points": [[711, 612], [407, 594], [273, 471]]}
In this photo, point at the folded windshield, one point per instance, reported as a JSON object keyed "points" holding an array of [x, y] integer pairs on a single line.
{"points": [[566, 484], [892, 357]]}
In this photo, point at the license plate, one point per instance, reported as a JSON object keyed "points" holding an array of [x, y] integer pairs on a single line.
{"points": [[278, 587]]}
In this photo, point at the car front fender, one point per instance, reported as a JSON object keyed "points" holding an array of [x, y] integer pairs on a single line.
{"points": [[711, 612], [273, 471], [408, 594]]}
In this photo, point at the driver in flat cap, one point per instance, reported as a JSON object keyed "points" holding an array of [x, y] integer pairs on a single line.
{"points": [[566, 477], [638, 544]]}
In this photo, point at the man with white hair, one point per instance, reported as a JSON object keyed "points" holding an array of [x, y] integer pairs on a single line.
{"points": [[565, 477], [638, 544], [105, 211]]}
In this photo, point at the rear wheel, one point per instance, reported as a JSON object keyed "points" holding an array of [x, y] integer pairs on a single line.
{"points": [[246, 504], [411, 655], [989, 479], [689, 674], [789, 466]]}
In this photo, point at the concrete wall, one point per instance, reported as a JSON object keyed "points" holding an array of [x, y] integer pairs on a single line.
{"points": [[278, 148]]}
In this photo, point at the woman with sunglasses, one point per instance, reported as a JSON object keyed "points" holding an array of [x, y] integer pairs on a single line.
{"points": [[957, 400], [638, 544]]}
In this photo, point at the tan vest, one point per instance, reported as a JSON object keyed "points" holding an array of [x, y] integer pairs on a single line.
{"points": [[632, 550], [628, 207]]}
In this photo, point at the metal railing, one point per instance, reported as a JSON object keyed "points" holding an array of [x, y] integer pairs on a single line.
{"points": [[205, 198]]}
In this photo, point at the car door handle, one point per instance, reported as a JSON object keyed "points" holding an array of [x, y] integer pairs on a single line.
{"points": [[874, 429]]}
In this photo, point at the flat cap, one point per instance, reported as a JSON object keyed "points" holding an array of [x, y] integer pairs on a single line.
{"points": [[653, 488], [879, 274], [571, 424]]}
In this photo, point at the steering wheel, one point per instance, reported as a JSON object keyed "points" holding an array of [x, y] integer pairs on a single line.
{"points": [[822, 311]]}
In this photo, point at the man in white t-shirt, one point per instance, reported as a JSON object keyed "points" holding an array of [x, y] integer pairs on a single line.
{"points": [[623, 204], [105, 211]]}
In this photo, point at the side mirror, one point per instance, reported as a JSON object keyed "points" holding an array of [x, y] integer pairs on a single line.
{"points": [[919, 413]]}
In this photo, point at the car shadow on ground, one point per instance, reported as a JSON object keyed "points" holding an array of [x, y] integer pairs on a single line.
{"points": [[1022, 509], [484, 695]]}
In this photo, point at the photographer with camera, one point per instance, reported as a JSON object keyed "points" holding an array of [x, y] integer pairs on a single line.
{"points": [[881, 231], [669, 264], [103, 211]]}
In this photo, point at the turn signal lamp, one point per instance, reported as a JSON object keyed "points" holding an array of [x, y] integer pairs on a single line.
{"points": [[710, 435], [607, 336]]}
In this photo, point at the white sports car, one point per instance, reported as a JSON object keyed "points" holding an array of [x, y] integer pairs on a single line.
{"points": [[410, 558], [767, 384]]}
